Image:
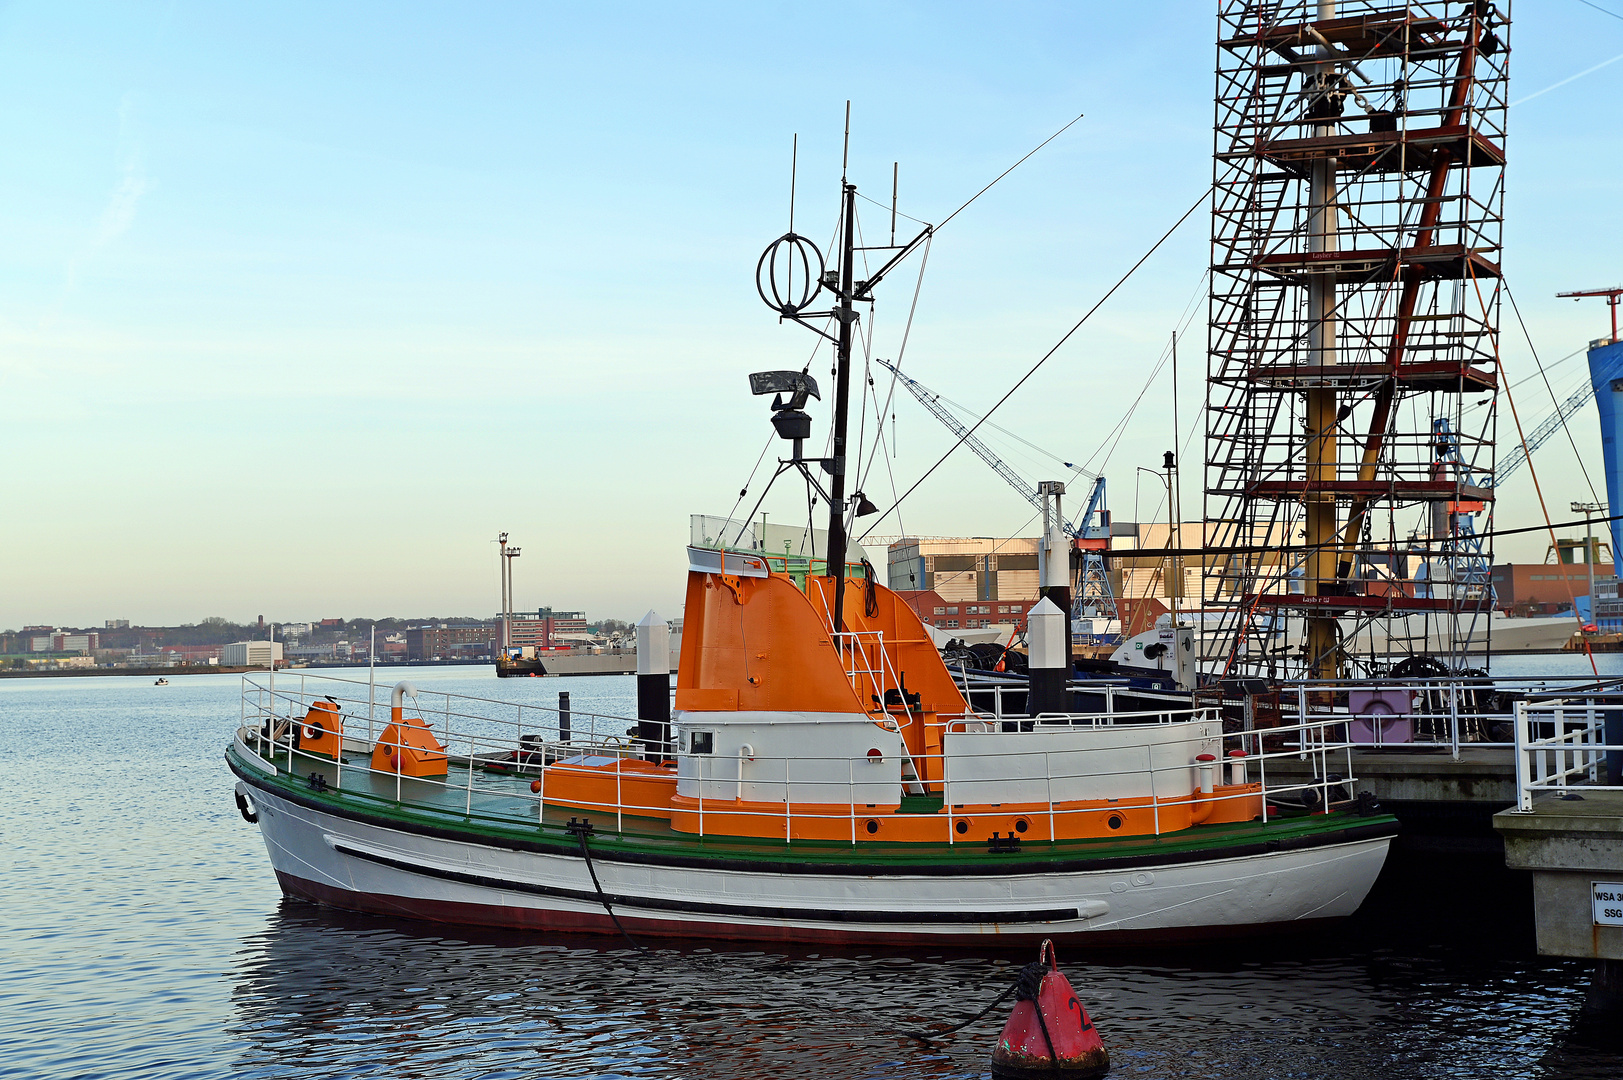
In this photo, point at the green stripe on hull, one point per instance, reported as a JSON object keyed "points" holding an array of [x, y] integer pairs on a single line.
{"points": [[651, 839]]}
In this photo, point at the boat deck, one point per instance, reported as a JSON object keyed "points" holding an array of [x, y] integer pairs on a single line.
{"points": [[500, 807]]}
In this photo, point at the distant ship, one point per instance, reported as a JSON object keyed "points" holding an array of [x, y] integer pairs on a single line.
{"points": [[512, 661], [516, 662]]}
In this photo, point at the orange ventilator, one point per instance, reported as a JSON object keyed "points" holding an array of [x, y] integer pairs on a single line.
{"points": [[322, 732], [1049, 1034], [407, 746]]}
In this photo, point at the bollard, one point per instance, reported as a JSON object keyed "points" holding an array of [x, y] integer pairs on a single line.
{"points": [[563, 716], [1046, 637], [1236, 766], [1205, 762], [654, 687]]}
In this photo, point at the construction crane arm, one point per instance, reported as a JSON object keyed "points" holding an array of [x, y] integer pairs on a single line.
{"points": [[1547, 427], [980, 449]]}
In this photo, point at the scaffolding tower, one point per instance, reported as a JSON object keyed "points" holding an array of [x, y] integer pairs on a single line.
{"points": [[1354, 314]]}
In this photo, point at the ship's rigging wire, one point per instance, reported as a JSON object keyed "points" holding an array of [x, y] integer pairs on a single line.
{"points": [[1565, 428], [1045, 357], [743, 491], [1011, 169], [1538, 489], [1114, 437], [901, 353], [914, 220], [1597, 7]]}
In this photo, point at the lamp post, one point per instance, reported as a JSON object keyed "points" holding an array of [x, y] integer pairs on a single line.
{"points": [[1174, 589], [1586, 509]]}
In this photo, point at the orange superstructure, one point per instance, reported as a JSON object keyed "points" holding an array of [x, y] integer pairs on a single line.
{"points": [[831, 734]]}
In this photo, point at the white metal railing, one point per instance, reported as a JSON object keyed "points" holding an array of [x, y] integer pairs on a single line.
{"points": [[1454, 712], [477, 737], [1562, 742]]}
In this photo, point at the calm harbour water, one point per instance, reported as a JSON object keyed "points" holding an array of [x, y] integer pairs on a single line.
{"points": [[144, 936]]}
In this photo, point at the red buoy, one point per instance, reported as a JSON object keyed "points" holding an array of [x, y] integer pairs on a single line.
{"points": [[1049, 1035]]}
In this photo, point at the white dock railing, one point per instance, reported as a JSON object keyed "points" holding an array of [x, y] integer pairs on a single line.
{"points": [[1562, 743], [478, 733], [1454, 712]]}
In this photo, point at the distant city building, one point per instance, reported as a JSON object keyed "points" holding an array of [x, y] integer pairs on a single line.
{"points": [[251, 653], [65, 642], [545, 627], [117, 624], [330, 624], [191, 654], [446, 642], [1544, 588]]}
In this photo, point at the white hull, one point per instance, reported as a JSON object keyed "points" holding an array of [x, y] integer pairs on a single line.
{"points": [[368, 867]]}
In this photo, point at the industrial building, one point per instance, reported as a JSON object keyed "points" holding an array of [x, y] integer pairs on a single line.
{"points": [[251, 654], [965, 570]]}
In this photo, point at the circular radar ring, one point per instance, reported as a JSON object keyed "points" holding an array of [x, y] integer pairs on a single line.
{"points": [[781, 289]]}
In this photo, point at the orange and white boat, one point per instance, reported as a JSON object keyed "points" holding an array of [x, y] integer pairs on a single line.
{"points": [[822, 786]]}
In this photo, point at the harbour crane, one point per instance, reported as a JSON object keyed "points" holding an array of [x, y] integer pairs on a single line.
{"points": [[1577, 400], [1546, 427], [1089, 534]]}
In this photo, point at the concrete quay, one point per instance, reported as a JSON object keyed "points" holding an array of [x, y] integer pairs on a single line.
{"points": [[1573, 845], [1445, 805]]}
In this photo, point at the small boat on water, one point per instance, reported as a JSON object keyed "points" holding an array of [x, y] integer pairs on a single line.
{"points": [[160, 681]]}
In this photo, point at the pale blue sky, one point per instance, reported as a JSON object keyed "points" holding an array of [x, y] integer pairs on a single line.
{"points": [[301, 304]]}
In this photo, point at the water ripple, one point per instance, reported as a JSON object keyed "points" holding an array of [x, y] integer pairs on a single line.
{"points": [[145, 937]]}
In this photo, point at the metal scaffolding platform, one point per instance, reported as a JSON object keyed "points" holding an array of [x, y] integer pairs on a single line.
{"points": [[1356, 226]]}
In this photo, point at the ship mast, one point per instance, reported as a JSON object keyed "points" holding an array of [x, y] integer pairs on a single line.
{"points": [[792, 302], [1357, 214], [1322, 447], [842, 400]]}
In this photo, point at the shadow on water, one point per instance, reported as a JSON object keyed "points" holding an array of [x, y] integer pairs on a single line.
{"points": [[321, 992]]}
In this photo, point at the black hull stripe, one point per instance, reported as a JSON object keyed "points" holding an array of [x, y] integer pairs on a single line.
{"points": [[993, 866], [748, 911]]}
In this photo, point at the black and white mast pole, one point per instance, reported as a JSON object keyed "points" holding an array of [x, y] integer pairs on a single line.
{"points": [[842, 402]]}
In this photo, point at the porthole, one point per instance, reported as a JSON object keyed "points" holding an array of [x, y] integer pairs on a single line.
{"points": [[873, 826], [1114, 821], [1022, 825], [962, 826]]}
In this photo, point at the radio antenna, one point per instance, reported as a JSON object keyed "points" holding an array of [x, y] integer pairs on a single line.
{"points": [[895, 168], [845, 157], [794, 161]]}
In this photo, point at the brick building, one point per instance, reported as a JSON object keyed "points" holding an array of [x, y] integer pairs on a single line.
{"points": [[468, 641]]}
